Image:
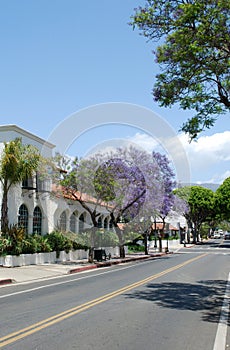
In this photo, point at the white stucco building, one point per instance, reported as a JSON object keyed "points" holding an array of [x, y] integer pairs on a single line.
{"points": [[32, 203]]}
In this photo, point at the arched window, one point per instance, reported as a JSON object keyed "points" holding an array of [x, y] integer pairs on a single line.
{"points": [[110, 224], [62, 222], [106, 223], [23, 217], [73, 222], [99, 222], [81, 223], [37, 221]]}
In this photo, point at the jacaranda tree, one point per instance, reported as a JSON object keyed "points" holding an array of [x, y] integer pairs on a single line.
{"points": [[167, 180], [127, 182], [137, 191]]}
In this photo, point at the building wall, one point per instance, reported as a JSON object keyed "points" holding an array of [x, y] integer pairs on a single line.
{"points": [[52, 207], [10, 132]]}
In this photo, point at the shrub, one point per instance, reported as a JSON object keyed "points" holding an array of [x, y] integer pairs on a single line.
{"points": [[133, 247], [4, 245], [35, 244], [58, 242], [43, 245], [30, 245], [77, 246], [13, 240], [105, 239], [79, 241]]}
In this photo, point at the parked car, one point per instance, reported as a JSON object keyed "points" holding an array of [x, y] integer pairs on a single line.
{"points": [[216, 234], [227, 235], [221, 232]]}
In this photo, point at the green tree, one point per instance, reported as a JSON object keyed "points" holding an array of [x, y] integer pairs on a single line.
{"points": [[181, 202], [76, 181], [18, 161], [194, 56], [222, 200], [200, 202]]}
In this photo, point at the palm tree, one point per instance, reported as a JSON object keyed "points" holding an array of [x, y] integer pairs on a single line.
{"points": [[18, 162]]}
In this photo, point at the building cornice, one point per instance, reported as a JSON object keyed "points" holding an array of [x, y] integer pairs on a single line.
{"points": [[23, 132]]}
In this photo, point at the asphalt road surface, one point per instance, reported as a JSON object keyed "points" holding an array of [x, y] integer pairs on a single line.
{"points": [[177, 302]]}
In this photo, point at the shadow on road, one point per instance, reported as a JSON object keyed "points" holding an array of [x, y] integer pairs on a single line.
{"points": [[221, 243], [205, 296]]}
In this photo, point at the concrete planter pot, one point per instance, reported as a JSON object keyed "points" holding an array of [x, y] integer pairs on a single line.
{"points": [[8, 261], [49, 258], [17, 260], [42, 258], [2, 260], [28, 259], [62, 256], [80, 254], [32, 259]]}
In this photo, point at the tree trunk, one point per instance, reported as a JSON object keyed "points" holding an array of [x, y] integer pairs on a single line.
{"points": [[160, 235], [122, 251], [4, 210], [195, 234], [90, 256], [146, 243], [92, 243], [121, 242], [198, 232], [160, 242]]}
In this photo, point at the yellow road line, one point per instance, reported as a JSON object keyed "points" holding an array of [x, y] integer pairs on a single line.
{"points": [[36, 327]]}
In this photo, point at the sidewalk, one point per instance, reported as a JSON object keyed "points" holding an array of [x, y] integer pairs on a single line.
{"points": [[37, 272], [31, 273]]}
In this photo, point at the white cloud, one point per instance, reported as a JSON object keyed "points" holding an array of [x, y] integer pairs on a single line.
{"points": [[141, 141], [215, 147], [145, 141], [209, 156]]}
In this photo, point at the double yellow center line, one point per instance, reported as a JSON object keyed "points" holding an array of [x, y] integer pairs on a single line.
{"points": [[36, 327]]}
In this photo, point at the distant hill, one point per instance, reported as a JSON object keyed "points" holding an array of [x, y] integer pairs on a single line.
{"points": [[211, 186]]}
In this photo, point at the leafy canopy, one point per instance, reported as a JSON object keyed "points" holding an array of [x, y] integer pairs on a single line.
{"points": [[200, 201], [125, 181], [18, 161], [222, 199], [194, 57]]}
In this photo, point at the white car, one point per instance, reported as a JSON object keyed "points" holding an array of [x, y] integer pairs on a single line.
{"points": [[216, 235], [221, 232]]}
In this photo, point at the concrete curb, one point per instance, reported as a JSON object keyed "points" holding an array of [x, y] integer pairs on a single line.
{"points": [[6, 281], [116, 262], [82, 268], [86, 267]]}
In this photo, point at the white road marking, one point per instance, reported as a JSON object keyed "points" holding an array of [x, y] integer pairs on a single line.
{"points": [[69, 281], [221, 333]]}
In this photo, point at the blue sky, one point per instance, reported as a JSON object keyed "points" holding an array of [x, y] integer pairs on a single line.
{"points": [[58, 57]]}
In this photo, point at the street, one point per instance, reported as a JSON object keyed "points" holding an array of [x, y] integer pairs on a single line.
{"points": [[179, 301]]}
